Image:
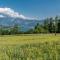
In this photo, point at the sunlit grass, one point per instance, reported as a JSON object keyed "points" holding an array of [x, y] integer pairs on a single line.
{"points": [[30, 47], [28, 38]]}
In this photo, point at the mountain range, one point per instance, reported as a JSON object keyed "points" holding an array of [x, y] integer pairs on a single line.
{"points": [[25, 24]]}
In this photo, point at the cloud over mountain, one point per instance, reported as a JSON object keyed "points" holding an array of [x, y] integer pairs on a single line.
{"points": [[10, 12]]}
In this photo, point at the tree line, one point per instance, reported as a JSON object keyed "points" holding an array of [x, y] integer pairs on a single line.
{"points": [[50, 25]]}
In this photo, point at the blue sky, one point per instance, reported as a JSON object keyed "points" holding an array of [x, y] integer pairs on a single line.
{"points": [[33, 8]]}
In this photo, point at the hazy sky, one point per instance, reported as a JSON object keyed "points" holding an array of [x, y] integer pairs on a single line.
{"points": [[33, 8]]}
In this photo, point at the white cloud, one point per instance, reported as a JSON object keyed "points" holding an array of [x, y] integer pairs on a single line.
{"points": [[10, 12]]}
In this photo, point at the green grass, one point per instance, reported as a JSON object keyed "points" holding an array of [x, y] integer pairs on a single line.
{"points": [[30, 47], [22, 39]]}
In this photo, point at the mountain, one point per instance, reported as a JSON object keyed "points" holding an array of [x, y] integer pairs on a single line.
{"points": [[25, 24]]}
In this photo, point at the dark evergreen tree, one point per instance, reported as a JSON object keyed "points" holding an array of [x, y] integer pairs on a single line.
{"points": [[58, 28]]}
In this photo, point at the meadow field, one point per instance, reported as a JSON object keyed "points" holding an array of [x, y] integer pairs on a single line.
{"points": [[30, 47]]}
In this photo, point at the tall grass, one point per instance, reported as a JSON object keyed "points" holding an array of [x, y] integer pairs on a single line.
{"points": [[34, 51]]}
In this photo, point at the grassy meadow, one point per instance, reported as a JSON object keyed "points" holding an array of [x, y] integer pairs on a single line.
{"points": [[30, 47]]}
